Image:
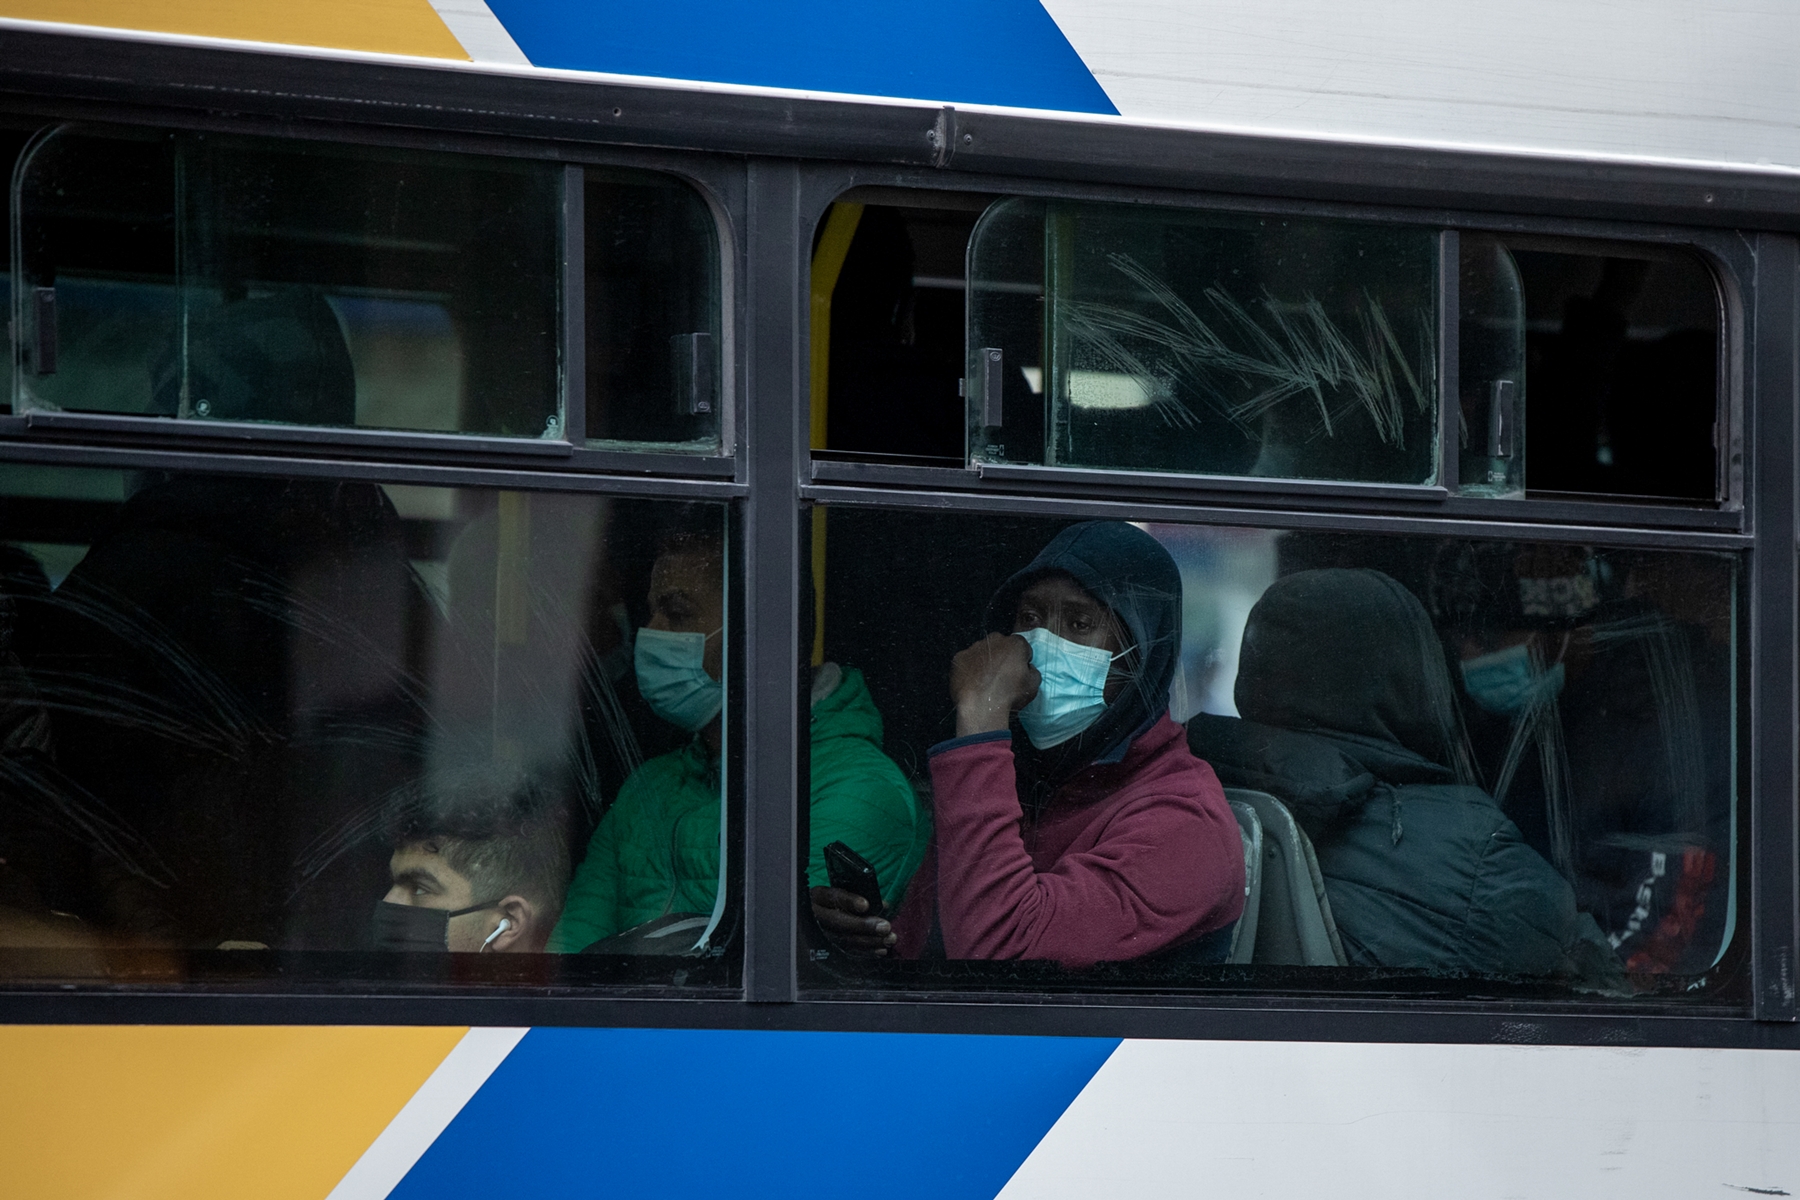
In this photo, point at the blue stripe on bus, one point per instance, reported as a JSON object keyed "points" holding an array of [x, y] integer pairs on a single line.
{"points": [[709, 1113], [1006, 52]]}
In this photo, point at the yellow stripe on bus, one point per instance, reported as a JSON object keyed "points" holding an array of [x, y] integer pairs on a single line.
{"points": [[387, 26], [200, 1112]]}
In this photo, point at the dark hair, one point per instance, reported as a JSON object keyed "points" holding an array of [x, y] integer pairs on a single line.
{"points": [[502, 829], [696, 531]]}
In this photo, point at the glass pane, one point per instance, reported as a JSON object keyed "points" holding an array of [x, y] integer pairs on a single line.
{"points": [[228, 278], [655, 348], [263, 726], [1184, 340], [1623, 352], [1449, 764], [1491, 370], [888, 326]]}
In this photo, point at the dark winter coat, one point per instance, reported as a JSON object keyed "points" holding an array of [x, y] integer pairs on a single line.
{"points": [[1349, 720]]}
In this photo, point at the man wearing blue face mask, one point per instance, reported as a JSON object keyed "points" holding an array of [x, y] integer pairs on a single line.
{"points": [[1098, 836], [655, 854]]}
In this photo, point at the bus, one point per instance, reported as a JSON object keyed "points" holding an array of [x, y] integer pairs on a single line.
{"points": [[1028, 599]]}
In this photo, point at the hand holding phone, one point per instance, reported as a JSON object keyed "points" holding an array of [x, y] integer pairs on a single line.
{"points": [[851, 872]]}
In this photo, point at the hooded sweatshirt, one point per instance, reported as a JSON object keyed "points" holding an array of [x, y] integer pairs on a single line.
{"points": [[1350, 721], [1114, 845], [656, 851]]}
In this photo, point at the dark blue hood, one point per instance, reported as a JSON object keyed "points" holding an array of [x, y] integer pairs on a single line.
{"points": [[1351, 655], [1131, 573]]}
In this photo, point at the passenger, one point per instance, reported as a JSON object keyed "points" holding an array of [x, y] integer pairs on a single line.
{"points": [[480, 863], [656, 851], [1350, 720], [1586, 675], [1104, 838], [226, 668], [50, 831]]}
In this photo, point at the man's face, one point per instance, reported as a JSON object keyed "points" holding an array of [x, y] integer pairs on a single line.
{"points": [[687, 595], [423, 879], [1062, 606]]}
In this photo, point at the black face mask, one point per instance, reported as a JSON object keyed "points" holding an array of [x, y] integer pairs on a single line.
{"points": [[410, 927]]}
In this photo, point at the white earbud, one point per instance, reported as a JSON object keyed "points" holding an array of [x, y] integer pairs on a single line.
{"points": [[504, 925]]}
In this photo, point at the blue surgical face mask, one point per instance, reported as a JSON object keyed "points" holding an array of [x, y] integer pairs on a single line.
{"points": [[1505, 683], [1071, 688], [672, 678]]}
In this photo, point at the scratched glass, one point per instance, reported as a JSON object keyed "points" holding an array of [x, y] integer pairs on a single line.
{"points": [[239, 716], [1158, 339]]}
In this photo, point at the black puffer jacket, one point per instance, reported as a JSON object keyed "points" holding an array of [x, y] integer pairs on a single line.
{"points": [[1349, 721]]}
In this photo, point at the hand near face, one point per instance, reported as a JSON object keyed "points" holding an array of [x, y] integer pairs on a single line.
{"points": [[990, 681]]}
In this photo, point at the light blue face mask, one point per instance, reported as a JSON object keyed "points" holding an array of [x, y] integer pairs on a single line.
{"points": [[1505, 683], [1071, 688], [672, 678]]}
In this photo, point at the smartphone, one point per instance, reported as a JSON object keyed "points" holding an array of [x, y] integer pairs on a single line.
{"points": [[851, 872]]}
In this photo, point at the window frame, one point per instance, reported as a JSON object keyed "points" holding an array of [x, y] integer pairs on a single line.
{"points": [[769, 164]]}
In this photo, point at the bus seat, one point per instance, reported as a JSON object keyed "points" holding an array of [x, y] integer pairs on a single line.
{"points": [[1243, 938], [1294, 925]]}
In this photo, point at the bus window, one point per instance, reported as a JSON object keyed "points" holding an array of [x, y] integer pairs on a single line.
{"points": [[1183, 340], [1622, 362], [888, 316], [655, 348], [315, 717], [1500, 760], [236, 278]]}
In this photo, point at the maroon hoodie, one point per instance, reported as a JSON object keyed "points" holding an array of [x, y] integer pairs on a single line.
{"points": [[1129, 858]]}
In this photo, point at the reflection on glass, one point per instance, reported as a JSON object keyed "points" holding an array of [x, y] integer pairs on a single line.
{"points": [[1184, 340], [311, 715], [230, 278], [1502, 760]]}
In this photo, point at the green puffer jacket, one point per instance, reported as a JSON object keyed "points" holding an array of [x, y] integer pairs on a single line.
{"points": [[657, 849]]}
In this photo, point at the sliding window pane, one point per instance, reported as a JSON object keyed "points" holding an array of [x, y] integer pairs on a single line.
{"points": [[655, 341], [1141, 338], [229, 278]]}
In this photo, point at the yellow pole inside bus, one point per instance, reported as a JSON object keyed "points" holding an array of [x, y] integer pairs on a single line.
{"points": [[827, 265]]}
